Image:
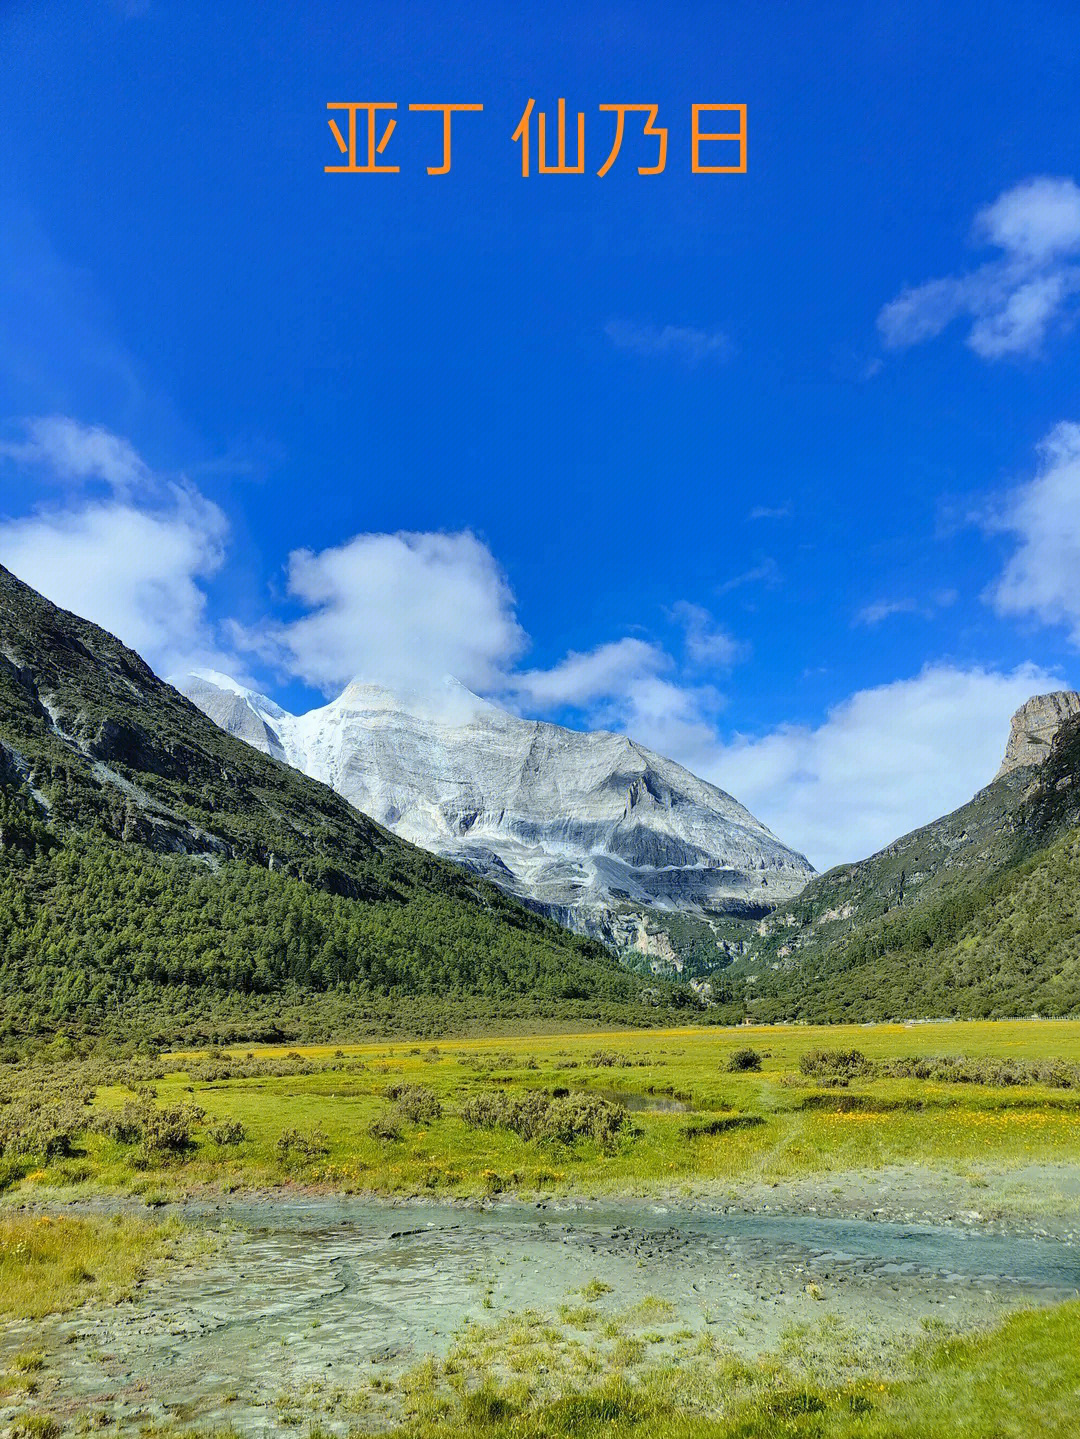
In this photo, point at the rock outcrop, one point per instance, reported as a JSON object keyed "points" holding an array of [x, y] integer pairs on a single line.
{"points": [[1034, 726], [590, 828]]}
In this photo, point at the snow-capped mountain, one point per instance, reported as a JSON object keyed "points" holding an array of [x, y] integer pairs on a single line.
{"points": [[591, 827]]}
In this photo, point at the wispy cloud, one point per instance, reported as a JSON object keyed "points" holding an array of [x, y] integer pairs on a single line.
{"points": [[678, 342], [706, 642], [1013, 301], [770, 512], [925, 608], [65, 449], [766, 573], [1040, 578]]}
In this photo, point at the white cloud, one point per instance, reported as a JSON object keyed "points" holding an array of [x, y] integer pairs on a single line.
{"points": [[628, 686], [885, 609], [408, 608], [132, 562], [1040, 579], [68, 450], [1039, 219], [770, 512], [675, 341], [581, 680], [1012, 301], [134, 571], [884, 761], [706, 642], [401, 610], [766, 573], [926, 608]]}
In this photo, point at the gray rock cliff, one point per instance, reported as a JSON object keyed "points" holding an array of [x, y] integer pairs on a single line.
{"points": [[1034, 726]]}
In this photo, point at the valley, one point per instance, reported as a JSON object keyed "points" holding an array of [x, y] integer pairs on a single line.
{"points": [[303, 1125], [785, 1222]]}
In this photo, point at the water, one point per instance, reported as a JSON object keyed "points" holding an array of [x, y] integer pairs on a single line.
{"points": [[326, 1291], [645, 1103]]}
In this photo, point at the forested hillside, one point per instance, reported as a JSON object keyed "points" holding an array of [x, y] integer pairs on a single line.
{"points": [[977, 914], [158, 875]]}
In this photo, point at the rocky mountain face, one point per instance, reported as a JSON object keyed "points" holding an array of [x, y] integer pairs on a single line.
{"points": [[591, 829], [1034, 726], [974, 913]]}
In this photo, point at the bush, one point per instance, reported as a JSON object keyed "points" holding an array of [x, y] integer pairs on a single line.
{"points": [[168, 1130], [229, 1131], [536, 1115], [585, 1115], [741, 1061], [837, 1065], [1002, 1073], [383, 1127], [485, 1111], [415, 1102], [47, 1130], [302, 1144], [160, 1131]]}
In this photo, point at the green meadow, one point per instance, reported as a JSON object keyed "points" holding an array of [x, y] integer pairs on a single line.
{"points": [[401, 1118], [703, 1114]]}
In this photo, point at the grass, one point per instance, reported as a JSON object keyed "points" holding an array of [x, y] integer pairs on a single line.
{"points": [[592, 1366], [1015, 1381], [322, 1118], [49, 1266]]}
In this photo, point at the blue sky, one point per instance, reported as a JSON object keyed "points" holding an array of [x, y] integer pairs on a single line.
{"points": [[777, 471]]}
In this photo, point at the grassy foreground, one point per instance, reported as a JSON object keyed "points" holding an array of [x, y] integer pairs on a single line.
{"points": [[1020, 1380], [530, 1377], [1017, 1381], [328, 1116], [50, 1265]]}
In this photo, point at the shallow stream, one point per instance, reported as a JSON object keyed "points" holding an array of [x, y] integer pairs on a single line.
{"points": [[325, 1291]]}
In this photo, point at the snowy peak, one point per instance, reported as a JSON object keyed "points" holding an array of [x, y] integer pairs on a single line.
{"points": [[583, 825], [242, 712], [447, 702]]}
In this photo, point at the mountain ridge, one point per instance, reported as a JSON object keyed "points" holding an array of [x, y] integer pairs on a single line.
{"points": [[153, 866], [974, 913]]}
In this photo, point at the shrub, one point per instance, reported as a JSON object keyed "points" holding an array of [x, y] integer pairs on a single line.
{"points": [[48, 1130], [580, 1115], [160, 1131], [415, 1102], [536, 1115], [168, 1130], [384, 1127], [1002, 1073], [303, 1144], [484, 1111], [839, 1065], [527, 1113], [229, 1131], [740, 1061]]}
